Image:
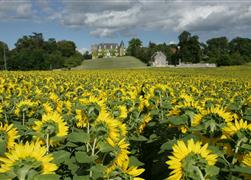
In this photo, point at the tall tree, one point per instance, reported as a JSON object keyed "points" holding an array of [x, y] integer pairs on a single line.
{"points": [[189, 48], [218, 49], [67, 48], [133, 45], [4, 54], [241, 46]]}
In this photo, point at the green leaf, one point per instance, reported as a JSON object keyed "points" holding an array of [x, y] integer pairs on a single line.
{"points": [[83, 157], [133, 161], [87, 177], [178, 120], [246, 146], [246, 170], [104, 147], [248, 118], [81, 137], [138, 138], [47, 176], [4, 176], [167, 145], [72, 165], [212, 170], [152, 138], [97, 171], [151, 124], [60, 156], [2, 147]]}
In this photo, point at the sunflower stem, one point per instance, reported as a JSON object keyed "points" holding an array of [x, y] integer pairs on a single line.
{"points": [[47, 143], [93, 151], [200, 173], [236, 151], [88, 132], [5, 117], [23, 117]]}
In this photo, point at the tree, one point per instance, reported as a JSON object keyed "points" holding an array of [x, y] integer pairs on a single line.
{"points": [[241, 46], [4, 51], [67, 48], [217, 47], [133, 44], [87, 55], [73, 61], [189, 48]]}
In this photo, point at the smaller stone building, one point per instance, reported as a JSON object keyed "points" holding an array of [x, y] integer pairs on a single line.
{"points": [[158, 59]]}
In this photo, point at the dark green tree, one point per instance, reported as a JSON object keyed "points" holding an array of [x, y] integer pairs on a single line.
{"points": [[87, 55], [217, 48], [241, 46], [133, 45], [189, 48], [67, 48], [3, 50]]}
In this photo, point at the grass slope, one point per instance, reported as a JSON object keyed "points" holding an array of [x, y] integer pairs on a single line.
{"points": [[126, 62]]}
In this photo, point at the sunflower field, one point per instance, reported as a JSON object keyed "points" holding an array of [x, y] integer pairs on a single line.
{"points": [[125, 125]]}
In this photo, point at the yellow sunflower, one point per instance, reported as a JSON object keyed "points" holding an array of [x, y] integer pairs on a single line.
{"points": [[25, 106], [232, 128], [106, 127], [121, 155], [147, 118], [132, 171], [47, 107], [8, 134], [247, 159], [27, 159], [52, 124], [122, 112], [81, 118], [216, 111], [183, 153]]}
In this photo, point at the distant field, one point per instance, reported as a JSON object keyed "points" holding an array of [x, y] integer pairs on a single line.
{"points": [[126, 62]]}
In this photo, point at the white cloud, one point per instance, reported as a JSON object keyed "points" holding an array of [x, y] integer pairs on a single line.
{"points": [[107, 18], [121, 17], [82, 50], [15, 9]]}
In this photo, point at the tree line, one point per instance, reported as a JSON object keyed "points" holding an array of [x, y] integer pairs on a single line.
{"points": [[33, 52], [219, 50]]}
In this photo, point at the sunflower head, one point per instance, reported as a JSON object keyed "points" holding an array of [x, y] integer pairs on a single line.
{"points": [[81, 118], [25, 106], [52, 124], [26, 161], [8, 135], [190, 160], [232, 128], [212, 120], [106, 128]]}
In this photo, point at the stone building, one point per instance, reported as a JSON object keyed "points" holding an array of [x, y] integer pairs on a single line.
{"points": [[158, 59], [106, 50]]}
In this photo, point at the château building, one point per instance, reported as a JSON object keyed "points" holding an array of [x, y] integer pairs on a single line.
{"points": [[106, 50]]}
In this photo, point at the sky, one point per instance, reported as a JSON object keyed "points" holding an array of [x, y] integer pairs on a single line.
{"points": [[87, 22]]}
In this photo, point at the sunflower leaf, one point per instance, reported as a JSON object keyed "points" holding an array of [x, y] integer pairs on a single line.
{"points": [[79, 137], [133, 161], [246, 170], [60, 156], [83, 157], [47, 176]]}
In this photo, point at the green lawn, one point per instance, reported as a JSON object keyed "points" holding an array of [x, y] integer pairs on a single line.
{"points": [[126, 62]]}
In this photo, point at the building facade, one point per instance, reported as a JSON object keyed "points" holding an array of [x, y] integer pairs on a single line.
{"points": [[107, 50]]}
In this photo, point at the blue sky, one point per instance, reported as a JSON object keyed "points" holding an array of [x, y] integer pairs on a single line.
{"points": [[93, 21]]}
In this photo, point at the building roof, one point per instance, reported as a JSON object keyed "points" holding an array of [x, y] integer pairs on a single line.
{"points": [[107, 45]]}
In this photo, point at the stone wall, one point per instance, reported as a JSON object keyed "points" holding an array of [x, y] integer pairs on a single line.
{"points": [[197, 65]]}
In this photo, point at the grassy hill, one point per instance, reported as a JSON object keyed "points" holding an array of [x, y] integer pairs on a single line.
{"points": [[126, 62]]}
